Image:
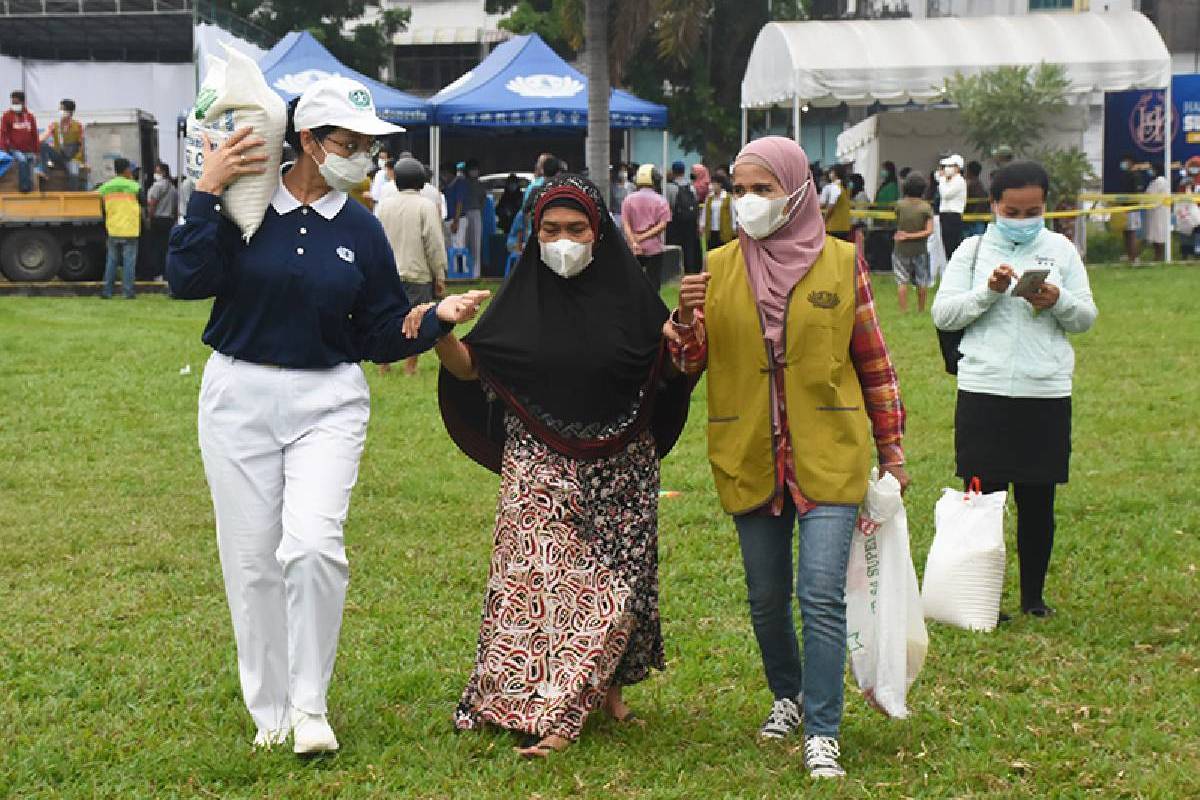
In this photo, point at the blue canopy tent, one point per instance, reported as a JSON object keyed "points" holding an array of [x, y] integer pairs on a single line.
{"points": [[299, 60], [525, 84]]}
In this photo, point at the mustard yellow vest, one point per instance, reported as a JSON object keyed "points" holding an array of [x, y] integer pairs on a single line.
{"points": [[830, 432]]}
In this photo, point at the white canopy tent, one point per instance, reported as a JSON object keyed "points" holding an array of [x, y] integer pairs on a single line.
{"points": [[862, 62]]}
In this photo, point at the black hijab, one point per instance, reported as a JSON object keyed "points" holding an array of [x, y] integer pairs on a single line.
{"points": [[583, 351]]}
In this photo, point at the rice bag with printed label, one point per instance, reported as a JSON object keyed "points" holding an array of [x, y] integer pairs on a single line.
{"points": [[235, 95]]}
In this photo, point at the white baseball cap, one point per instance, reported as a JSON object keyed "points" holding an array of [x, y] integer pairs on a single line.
{"points": [[952, 161], [343, 103]]}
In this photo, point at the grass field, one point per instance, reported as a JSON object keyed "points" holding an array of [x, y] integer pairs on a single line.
{"points": [[117, 673]]}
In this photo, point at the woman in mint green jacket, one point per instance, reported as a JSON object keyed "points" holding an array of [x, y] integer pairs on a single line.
{"points": [[1012, 423]]}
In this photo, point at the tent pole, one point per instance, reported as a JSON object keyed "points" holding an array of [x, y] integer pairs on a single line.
{"points": [[666, 147], [796, 117], [745, 128], [1167, 160], [433, 152]]}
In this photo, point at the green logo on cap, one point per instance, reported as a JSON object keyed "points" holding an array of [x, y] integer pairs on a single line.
{"points": [[360, 98]]}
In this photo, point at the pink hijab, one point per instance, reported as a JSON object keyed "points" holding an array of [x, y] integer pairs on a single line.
{"points": [[702, 181], [776, 264]]}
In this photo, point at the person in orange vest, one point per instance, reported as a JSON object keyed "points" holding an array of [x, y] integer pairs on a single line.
{"points": [[801, 395], [123, 222], [62, 145]]}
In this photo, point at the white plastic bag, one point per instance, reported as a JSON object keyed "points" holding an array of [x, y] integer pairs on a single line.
{"points": [[235, 95], [964, 574], [1187, 217], [885, 626]]}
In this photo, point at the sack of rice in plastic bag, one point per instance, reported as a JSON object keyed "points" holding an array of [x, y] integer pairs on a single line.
{"points": [[235, 95]]}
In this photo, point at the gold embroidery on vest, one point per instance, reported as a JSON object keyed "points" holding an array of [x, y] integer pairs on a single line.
{"points": [[824, 299]]}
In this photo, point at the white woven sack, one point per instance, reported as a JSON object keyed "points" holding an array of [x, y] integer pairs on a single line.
{"points": [[235, 95], [885, 626], [964, 573]]}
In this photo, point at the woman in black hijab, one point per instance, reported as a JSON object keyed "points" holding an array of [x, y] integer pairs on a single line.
{"points": [[566, 390], [510, 203]]}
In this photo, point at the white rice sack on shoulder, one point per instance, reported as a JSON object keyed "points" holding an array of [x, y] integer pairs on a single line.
{"points": [[235, 95]]}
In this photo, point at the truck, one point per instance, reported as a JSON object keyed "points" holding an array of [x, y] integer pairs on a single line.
{"points": [[51, 232]]}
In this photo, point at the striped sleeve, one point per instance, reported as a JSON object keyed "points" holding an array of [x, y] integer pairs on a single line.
{"points": [[690, 353], [876, 374]]}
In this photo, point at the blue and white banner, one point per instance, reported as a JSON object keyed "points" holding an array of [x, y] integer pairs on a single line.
{"points": [[1134, 125]]}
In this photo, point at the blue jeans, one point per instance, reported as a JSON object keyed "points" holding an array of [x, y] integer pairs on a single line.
{"points": [[26, 164], [51, 155], [766, 543], [120, 247]]}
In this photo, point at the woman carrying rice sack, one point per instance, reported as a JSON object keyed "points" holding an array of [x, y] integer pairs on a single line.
{"points": [[283, 402]]}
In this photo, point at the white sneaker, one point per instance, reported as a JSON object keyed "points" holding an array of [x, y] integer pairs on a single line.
{"points": [[312, 733], [266, 739], [784, 719], [821, 754]]}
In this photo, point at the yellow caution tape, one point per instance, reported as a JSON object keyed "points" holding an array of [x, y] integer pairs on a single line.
{"points": [[1096, 211]]}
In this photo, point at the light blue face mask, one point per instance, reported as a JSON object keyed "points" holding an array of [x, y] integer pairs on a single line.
{"points": [[1020, 231]]}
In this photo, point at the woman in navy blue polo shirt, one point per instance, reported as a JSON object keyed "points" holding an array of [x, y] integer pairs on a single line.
{"points": [[283, 403]]}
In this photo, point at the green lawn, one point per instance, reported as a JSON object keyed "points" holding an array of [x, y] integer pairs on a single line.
{"points": [[117, 673]]}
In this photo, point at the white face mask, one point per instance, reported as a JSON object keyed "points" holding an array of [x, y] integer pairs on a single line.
{"points": [[760, 217], [565, 257], [341, 173], [18, 108]]}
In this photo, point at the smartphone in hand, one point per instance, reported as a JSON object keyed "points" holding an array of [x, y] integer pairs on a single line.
{"points": [[1031, 280]]}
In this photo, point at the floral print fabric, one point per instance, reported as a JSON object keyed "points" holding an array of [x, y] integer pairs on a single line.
{"points": [[571, 605]]}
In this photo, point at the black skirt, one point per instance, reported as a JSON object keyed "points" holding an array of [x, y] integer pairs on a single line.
{"points": [[1012, 439]]}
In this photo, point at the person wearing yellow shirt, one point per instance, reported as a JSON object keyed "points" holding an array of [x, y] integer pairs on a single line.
{"points": [[123, 223], [62, 145]]}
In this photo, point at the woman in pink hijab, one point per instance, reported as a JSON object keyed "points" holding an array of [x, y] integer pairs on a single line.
{"points": [[700, 182], [802, 397]]}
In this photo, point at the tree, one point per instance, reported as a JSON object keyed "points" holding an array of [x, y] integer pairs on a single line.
{"points": [[687, 54], [366, 49], [1008, 105], [599, 89]]}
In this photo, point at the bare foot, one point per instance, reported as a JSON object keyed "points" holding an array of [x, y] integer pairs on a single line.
{"points": [[384, 369], [614, 706], [544, 748]]}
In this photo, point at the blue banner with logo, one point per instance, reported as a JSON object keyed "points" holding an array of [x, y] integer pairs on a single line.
{"points": [[1133, 127]]}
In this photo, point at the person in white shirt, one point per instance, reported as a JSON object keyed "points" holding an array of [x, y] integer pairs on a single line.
{"points": [[831, 191], [1158, 219], [952, 189], [431, 193], [381, 179], [382, 190], [414, 230]]}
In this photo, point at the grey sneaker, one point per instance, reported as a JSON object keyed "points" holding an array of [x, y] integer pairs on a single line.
{"points": [[821, 754], [785, 717]]}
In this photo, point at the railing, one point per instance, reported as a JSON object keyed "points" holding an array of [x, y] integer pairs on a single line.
{"points": [[207, 11], [204, 10], [58, 8]]}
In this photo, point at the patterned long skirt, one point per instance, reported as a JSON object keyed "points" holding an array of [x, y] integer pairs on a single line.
{"points": [[572, 597]]}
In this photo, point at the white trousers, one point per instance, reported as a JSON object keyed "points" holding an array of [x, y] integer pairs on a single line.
{"points": [[281, 449]]}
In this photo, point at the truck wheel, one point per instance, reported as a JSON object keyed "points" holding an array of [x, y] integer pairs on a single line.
{"points": [[83, 262], [30, 255]]}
